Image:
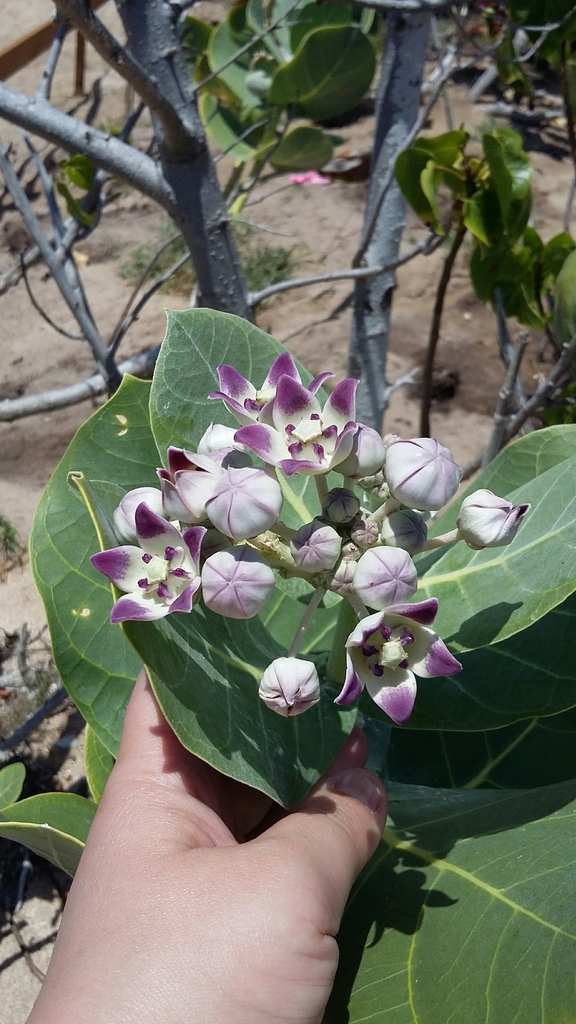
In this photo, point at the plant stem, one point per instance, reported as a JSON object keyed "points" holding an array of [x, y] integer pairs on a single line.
{"points": [[336, 667], [305, 622], [435, 332], [321, 486], [385, 509], [568, 109], [441, 541]]}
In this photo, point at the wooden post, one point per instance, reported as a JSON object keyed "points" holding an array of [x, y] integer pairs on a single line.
{"points": [[79, 65]]}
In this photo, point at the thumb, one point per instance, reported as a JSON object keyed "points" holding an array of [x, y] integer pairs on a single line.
{"points": [[333, 833]]}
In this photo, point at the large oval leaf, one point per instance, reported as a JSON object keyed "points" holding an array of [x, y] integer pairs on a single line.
{"points": [[54, 825], [303, 148], [329, 73], [99, 763], [116, 451], [11, 782], [469, 931]]}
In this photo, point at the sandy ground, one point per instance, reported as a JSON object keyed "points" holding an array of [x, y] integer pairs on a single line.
{"points": [[323, 225]]}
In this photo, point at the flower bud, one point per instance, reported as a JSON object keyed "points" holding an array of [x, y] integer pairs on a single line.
{"points": [[236, 582], [385, 576], [421, 473], [363, 533], [218, 443], [316, 547], [343, 580], [290, 686], [124, 514], [340, 505], [367, 455], [244, 503], [404, 529], [487, 521], [373, 482]]}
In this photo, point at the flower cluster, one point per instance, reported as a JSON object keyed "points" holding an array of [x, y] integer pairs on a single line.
{"points": [[212, 531]]}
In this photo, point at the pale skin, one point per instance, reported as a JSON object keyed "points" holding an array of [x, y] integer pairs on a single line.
{"points": [[197, 901]]}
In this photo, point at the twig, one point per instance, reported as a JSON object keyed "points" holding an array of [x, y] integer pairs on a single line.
{"points": [[25, 951], [507, 350], [20, 892], [145, 298], [263, 227], [36, 719], [74, 335], [27, 674], [425, 247], [260, 199], [508, 110], [449, 65], [428, 370], [45, 87], [155, 255], [441, 54], [502, 412]]}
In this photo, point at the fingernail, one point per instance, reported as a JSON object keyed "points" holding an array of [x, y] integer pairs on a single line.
{"points": [[362, 786]]}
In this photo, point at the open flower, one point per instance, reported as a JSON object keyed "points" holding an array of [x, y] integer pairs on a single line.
{"points": [[290, 686], [304, 437], [387, 650], [188, 483], [158, 577], [248, 404], [487, 521], [124, 521]]}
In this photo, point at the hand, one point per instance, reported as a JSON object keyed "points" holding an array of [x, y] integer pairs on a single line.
{"points": [[198, 902]]}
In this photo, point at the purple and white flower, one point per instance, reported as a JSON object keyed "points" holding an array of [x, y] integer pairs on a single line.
{"points": [[367, 455], [487, 521], [160, 576], [421, 472], [404, 528], [290, 686], [218, 442], [384, 576], [248, 404], [387, 650], [316, 547], [188, 483], [237, 582], [124, 514], [304, 437]]}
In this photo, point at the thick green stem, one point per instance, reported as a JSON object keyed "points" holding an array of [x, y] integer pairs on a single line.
{"points": [[305, 622], [336, 667]]}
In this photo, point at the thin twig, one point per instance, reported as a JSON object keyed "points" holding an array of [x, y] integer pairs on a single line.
{"points": [[47, 709], [73, 335], [263, 227], [428, 370], [507, 350], [155, 255], [45, 87], [25, 951], [502, 411], [425, 247], [569, 205], [146, 297]]}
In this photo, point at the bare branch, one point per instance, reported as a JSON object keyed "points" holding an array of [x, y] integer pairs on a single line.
{"points": [[31, 405], [425, 247], [502, 411], [82, 17], [45, 87], [507, 350], [73, 335], [522, 116], [107, 151], [155, 255], [145, 298]]}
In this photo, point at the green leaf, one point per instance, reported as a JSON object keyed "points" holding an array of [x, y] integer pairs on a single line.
{"points": [[408, 169], [11, 782], [529, 577], [565, 301], [430, 178], [196, 36], [482, 931], [54, 825], [481, 215], [303, 148], [556, 252], [446, 149], [315, 16], [513, 270], [99, 762], [196, 342], [530, 674], [329, 73], [116, 450], [205, 672], [221, 47], [533, 752], [225, 128]]}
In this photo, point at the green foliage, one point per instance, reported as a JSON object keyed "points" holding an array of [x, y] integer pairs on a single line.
{"points": [[11, 782], [302, 149], [99, 763], [54, 825], [492, 198], [79, 171]]}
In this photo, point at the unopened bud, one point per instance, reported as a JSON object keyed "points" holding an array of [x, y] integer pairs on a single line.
{"points": [[372, 482], [343, 580], [316, 547], [367, 455], [245, 502], [124, 514], [363, 533], [404, 529], [421, 473], [236, 582], [290, 686], [487, 521], [385, 576], [340, 505]]}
